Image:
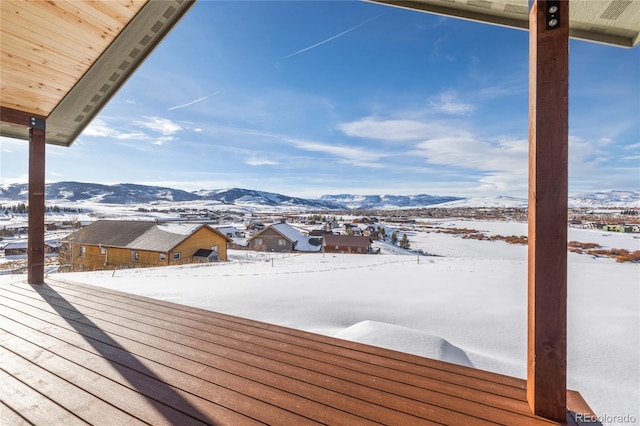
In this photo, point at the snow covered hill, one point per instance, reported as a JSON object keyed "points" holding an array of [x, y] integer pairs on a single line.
{"points": [[629, 199], [387, 201], [129, 194]]}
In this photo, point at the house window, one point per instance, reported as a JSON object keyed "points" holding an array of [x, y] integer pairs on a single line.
{"points": [[162, 257], [282, 242], [103, 250], [83, 251], [359, 249], [216, 249], [258, 241], [337, 247], [135, 256], [176, 256]]}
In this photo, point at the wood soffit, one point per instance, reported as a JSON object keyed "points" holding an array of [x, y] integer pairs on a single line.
{"points": [[64, 60], [614, 22]]}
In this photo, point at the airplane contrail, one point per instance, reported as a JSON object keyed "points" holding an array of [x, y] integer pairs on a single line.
{"points": [[193, 102], [332, 38]]}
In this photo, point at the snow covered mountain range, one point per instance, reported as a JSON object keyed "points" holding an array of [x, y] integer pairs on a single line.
{"points": [[140, 194]]}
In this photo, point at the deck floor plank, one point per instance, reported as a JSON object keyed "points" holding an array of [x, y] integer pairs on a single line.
{"points": [[432, 402], [79, 402], [29, 405], [152, 378], [284, 346], [226, 372], [329, 344], [147, 360], [9, 416]]}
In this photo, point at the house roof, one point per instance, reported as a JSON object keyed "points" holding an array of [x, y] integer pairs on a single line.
{"points": [[63, 61], [136, 235], [346, 240], [612, 22], [205, 253]]}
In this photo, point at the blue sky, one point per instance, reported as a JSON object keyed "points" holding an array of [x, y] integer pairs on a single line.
{"points": [[310, 98]]}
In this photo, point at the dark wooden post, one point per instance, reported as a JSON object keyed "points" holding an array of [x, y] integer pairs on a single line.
{"points": [[548, 191], [36, 251]]}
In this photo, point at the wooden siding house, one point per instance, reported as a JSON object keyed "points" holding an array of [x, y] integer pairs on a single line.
{"points": [[109, 244], [283, 237], [346, 244]]}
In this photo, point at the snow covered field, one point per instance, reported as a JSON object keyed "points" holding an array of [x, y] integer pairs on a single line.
{"points": [[465, 304]]}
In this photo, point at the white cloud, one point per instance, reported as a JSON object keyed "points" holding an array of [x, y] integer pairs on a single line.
{"points": [[24, 178], [464, 150], [346, 154], [388, 130], [255, 161], [99, 128], [448, 103], [162, 140], [162, 125]]}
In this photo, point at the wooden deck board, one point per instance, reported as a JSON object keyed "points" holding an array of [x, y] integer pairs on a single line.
{"points": [[136, 359], [309, 368]]}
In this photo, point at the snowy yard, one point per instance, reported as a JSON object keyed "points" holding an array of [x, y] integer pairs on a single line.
{"points": [[466, 303]]}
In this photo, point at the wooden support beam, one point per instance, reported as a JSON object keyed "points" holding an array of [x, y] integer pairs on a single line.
{"points": [[36, 250], [548, 192], [19, 118]]}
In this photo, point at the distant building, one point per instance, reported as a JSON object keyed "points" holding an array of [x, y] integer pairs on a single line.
{"points": [[114, 243], [346, 244], [283, 237], [617, 228], [17, 248]]}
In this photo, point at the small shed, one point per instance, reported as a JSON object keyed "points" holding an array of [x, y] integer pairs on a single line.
{"points": [[206, 255]]}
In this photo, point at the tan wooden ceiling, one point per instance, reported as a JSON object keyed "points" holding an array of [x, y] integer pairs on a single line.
{"points": [[63, 60], [41, 50], [615, 22]]}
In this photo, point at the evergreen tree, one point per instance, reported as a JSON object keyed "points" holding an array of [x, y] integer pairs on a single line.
{"points": [[404, 242], [394, 238], [382, 232]]}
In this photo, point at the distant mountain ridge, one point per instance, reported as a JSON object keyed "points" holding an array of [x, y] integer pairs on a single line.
{"points": [[387, 201], [140, 194]]}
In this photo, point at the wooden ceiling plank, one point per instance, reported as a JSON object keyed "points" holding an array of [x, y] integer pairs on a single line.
{"points": [[35, 100], [107, 16], [91, 15], [52, 68], [45, 59], [40, 45], [22, 58], [122, 11], [41, 107], [56, 28], [26, 80]]}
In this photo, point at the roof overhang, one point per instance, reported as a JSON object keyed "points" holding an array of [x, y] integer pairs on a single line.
{"points": [[614, 22], [64, 61]]}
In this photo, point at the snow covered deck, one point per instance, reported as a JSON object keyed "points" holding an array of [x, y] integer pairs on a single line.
{"points": [[76, 354]]}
